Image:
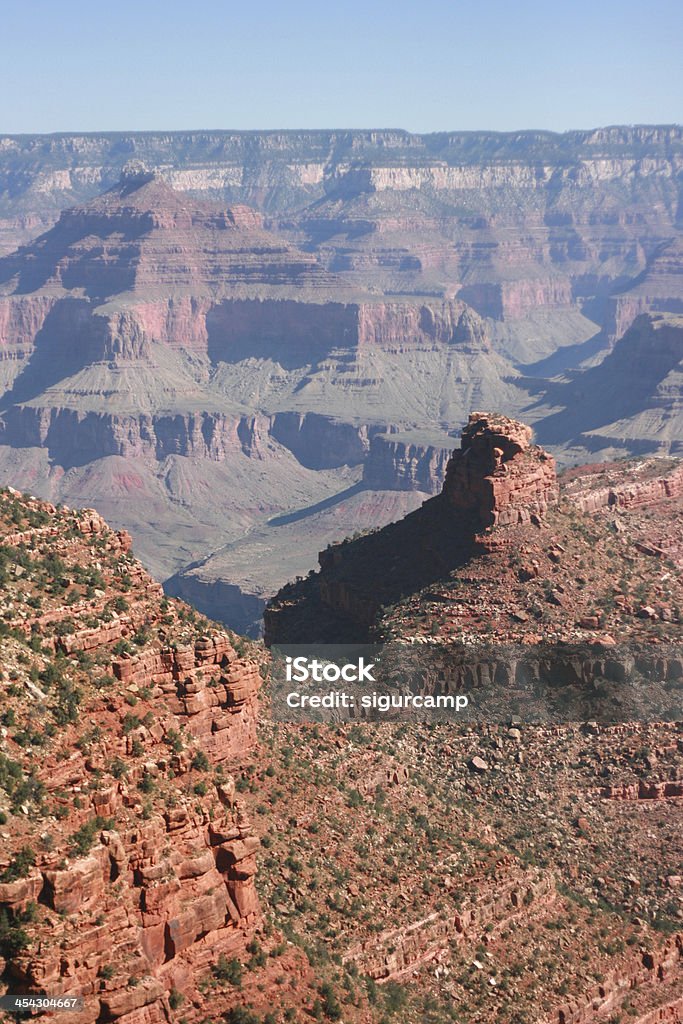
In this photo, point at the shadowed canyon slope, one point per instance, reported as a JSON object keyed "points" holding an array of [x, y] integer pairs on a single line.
{"points": [[266, 377]]}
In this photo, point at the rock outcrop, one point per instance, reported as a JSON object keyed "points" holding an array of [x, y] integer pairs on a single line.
{"points": [[658, 289], [498, 474]]}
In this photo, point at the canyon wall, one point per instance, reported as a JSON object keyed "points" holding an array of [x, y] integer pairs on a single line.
{"points": [[147, 876], [294, 165]]}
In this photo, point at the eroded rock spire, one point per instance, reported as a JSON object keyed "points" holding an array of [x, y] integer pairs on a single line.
{"points": [[498, 473]]}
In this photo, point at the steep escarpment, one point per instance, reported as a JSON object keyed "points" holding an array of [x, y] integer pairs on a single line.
{"points": [[79, 165], [127, 860]]}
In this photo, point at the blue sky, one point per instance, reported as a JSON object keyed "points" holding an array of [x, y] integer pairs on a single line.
{"points": [[430, 65]]}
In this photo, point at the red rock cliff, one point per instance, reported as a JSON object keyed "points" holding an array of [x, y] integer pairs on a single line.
{"points": [[127, 866]]}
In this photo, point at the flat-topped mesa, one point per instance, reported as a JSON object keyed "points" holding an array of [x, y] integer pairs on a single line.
{"points": [[498, 474]]}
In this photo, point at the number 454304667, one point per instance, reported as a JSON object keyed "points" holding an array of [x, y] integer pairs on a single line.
{"points": [[21, 1002]]}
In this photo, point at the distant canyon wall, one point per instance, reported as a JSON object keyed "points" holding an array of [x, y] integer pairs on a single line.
{"points": [[402, 465], [275, 169]]}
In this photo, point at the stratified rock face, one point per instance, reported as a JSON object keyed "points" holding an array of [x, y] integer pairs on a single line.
{"points": [[590, 489], [514, 222], [659, 288], [498, 474], [146, 876], [142, 235]]}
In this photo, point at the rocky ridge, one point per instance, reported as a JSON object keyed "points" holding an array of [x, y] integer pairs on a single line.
{"points": [[507, 553], [127, 861]]}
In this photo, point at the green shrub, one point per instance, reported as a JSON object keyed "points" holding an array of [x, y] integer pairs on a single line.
{"points": [[240, 1015], [175, 999], [331, 1006], [83, 838], [19, 866], [13, 937], [146, 784], [200, 762], [174, 740], [228, 970], [258, 957], [395, 997]]}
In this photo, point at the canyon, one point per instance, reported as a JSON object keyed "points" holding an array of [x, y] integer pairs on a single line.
{"points": [[250, 371], [267, 340]]}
